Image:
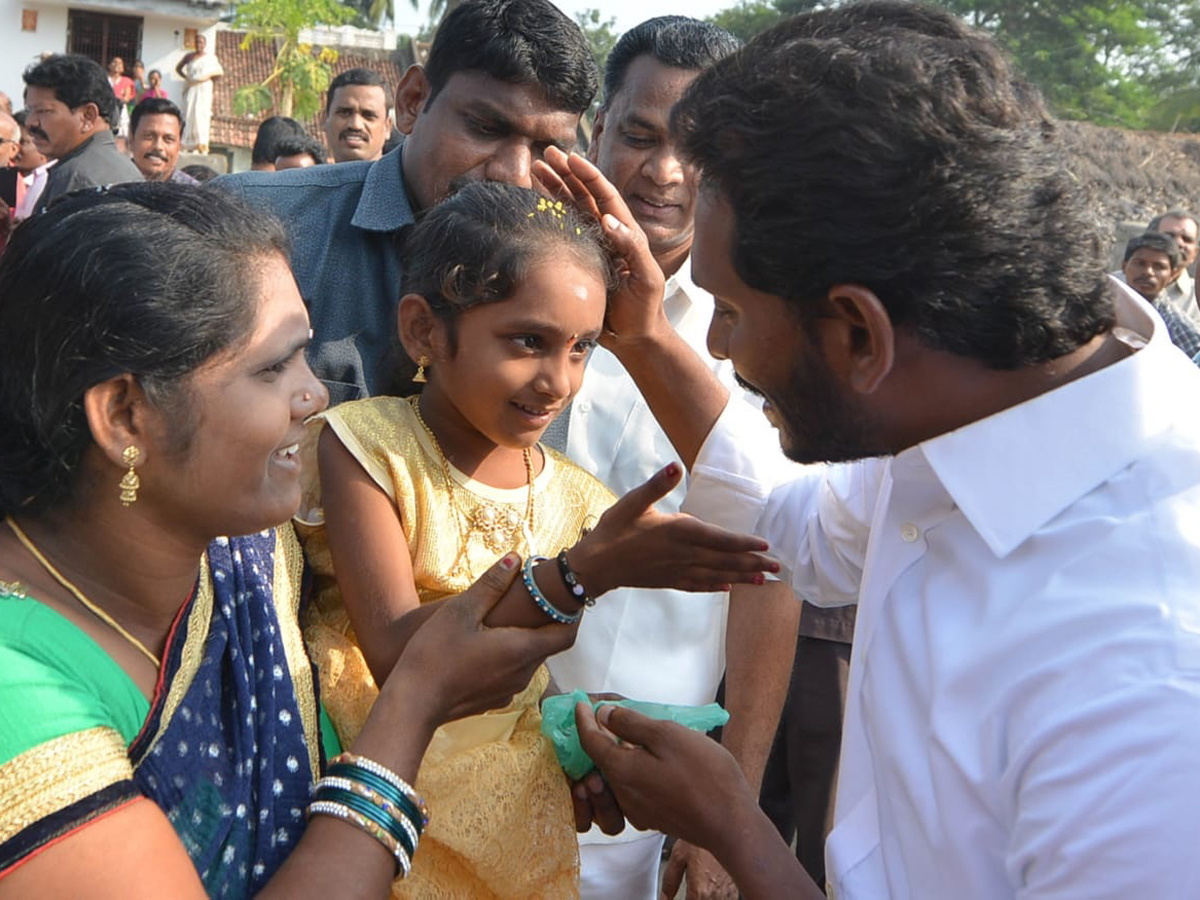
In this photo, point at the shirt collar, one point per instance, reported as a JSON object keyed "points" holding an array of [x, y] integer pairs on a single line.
{"points": [[101, 137], [680, 292], [384, 204], [1014, 471]]}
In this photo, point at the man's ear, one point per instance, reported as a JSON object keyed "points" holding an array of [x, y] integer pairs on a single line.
{"points": [[411, 96], [857, 337], [118, 416], [89, 117], [593, 150], [421, 332]]}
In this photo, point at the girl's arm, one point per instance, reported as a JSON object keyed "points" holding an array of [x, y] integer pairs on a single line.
{"points": [[633, 545], [370, 556], [374, 566]]}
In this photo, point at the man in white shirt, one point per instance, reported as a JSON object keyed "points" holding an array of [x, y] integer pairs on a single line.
{"points": [[904, 270], [666, 646]]}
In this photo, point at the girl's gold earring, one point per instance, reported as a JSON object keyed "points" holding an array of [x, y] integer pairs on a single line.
{"points": [[420, 378]]}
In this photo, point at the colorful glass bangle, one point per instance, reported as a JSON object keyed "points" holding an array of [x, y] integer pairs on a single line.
{"points": [[540, 599], [419, 814], [374, 768], [405, 814], [364, 807], [578, 591], [340, 811]]}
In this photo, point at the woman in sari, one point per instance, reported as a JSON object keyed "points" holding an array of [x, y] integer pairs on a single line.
{"points": [[160, 731], [199, 69]]}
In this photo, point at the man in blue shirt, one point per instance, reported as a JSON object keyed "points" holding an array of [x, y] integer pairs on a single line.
{"points": [[505, 80]]}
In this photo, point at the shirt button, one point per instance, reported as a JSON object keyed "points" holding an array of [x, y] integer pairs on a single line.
{"points": [[584, 406], [909, 532]]}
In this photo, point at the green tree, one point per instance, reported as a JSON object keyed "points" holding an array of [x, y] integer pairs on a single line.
{"points": [[1093, 59], [301, 74], [751, 17], [1112, 62], [599, 33]]}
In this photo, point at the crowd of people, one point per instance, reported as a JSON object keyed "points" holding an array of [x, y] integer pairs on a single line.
{"points": [[803, 383]]}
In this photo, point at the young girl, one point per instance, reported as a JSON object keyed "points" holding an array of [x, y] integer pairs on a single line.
{"points": [[504, 294]]}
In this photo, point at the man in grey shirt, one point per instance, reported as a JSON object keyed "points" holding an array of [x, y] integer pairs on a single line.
{"points": [[70, 106]]}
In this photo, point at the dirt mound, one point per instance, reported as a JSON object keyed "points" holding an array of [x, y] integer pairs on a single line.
{"points": [[1133, 175]]}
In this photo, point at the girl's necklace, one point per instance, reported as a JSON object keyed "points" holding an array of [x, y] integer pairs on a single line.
{"points": [[498, 527], [77, 593]]}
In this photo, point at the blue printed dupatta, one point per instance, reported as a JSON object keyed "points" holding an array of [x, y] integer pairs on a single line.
{"points": [[232, 746]]}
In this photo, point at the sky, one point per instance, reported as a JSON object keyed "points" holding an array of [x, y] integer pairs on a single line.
{"points": [[627, 12]]}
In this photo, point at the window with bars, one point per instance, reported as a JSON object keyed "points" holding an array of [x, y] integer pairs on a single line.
{"points": [[101, 36]]}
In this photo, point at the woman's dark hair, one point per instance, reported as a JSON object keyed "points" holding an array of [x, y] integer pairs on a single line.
{"points": [[147, 279], [890, 145], [478, 245]]}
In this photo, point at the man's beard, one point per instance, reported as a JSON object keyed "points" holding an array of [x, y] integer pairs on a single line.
{"points": [[819, 420]]}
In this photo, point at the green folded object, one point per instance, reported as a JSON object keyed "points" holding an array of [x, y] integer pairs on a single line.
{"points": [[558, 724]]}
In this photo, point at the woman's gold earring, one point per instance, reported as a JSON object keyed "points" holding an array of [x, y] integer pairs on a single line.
{"points": [[420, 378], [130, 481]]}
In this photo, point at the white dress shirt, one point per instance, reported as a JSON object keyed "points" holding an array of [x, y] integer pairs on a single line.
{"points": [[1183, 291], [1023, 714]]}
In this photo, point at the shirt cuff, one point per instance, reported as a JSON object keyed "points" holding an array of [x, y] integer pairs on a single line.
{"points": [[737, 466]]}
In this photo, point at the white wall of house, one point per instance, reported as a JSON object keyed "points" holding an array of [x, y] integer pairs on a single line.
{"points": [[163, 25]]}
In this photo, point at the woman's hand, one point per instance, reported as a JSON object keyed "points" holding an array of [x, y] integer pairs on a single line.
{"points": [[634, 545], [455, 666], [635, 310]]}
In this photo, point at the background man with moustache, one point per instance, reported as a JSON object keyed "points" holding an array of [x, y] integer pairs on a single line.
{"points": [[358, 116], [1152, 263], [155, 128], [70, 107], [1183, 226], [660, 645]]}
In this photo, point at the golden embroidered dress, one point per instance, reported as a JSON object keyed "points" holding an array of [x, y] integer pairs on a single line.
{"points": [[502, 825]]}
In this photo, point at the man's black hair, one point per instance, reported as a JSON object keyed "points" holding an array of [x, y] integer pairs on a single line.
{"points": [[890, 145], [270, 133], [76, 81], [354, 77], [299, 145], [518, 41], [1159, 243], [677, 41], [154, 106]]}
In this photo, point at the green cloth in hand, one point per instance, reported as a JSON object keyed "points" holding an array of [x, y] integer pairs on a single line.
{"points": [[558, 724]]}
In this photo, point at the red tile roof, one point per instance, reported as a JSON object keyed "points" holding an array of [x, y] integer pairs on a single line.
{"points": [[253, 66]]}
